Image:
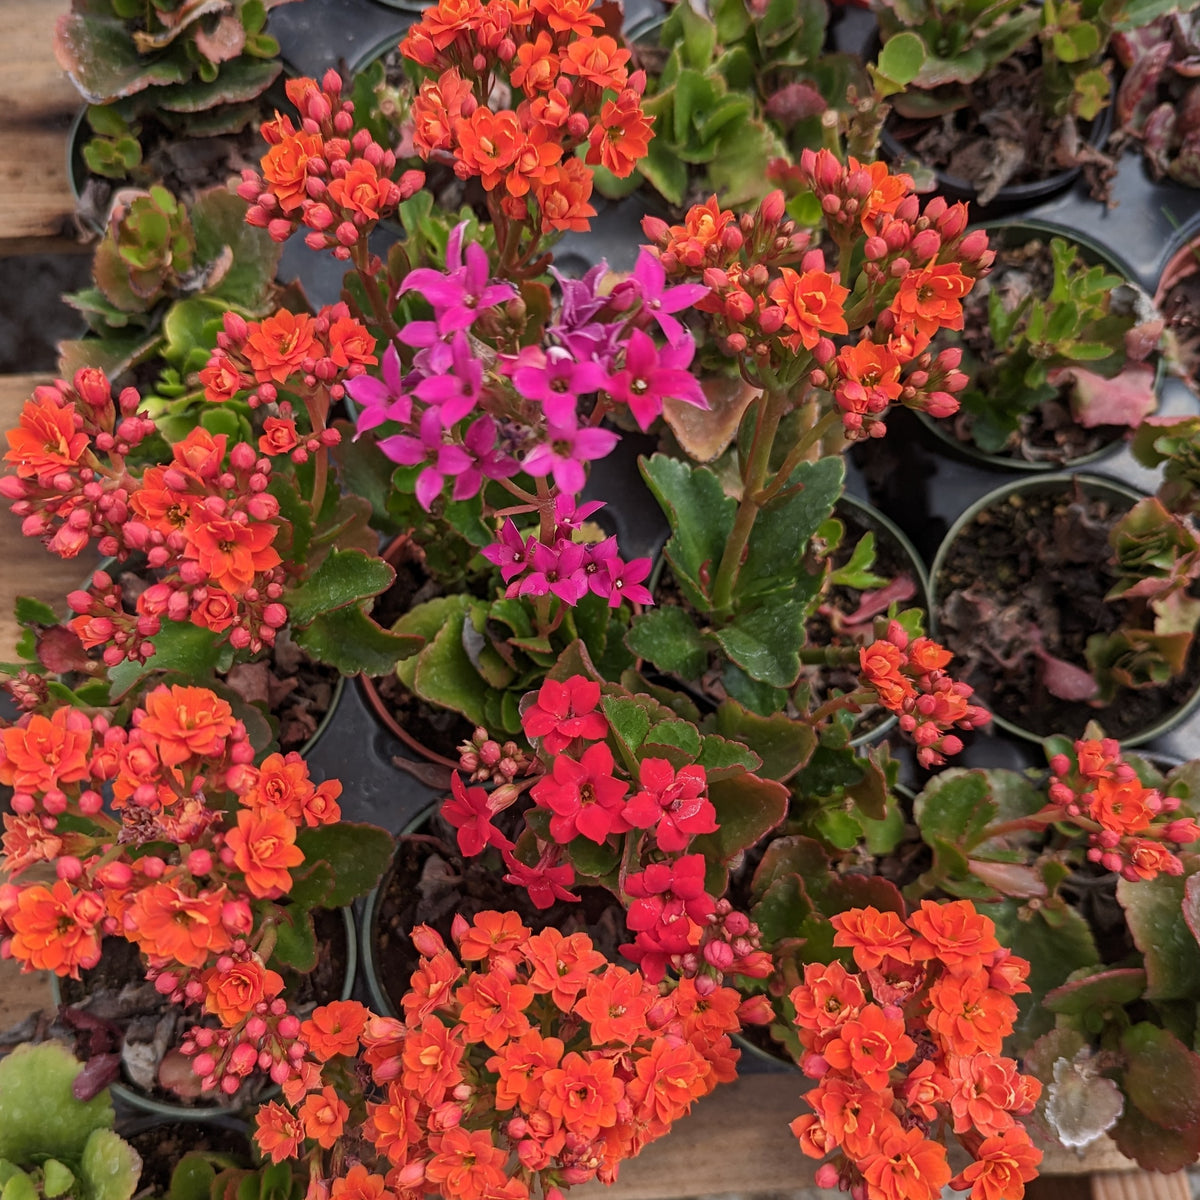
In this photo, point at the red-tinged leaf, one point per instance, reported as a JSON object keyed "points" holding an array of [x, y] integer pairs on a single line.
{"points": [[1064, 679], [793, 855], [1162, 1077], [1123, 400], [1153, 1147], [60, 650], [861, 891], [175, 1074], [1120, 986], [1154, 912], [1009, 879], [748, 808]]}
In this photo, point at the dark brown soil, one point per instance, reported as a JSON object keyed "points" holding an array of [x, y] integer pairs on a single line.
{"points": [[1048, 434], [1041, 562], [430, 883], [1001, 138], [116, 991], [162, 1146]]}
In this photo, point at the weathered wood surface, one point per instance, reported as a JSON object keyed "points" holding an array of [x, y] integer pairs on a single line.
{"points": [[37, 105]]}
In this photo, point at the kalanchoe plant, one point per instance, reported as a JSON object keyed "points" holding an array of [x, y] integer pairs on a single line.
{"points": [[211, 865], [1090, 875], [629, 796], [52, 1142], [163, 276], [524, 1064], [197, 67], [1158, 100], [1075, 336], [735, 561]]}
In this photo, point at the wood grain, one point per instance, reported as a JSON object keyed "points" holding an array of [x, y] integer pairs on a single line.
{"points": [[38, 103]]}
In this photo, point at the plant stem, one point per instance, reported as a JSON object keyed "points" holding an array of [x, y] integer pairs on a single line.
{"points": [[317, 412], [360, 256], [796, 456], [829, 656], [771, 408]]}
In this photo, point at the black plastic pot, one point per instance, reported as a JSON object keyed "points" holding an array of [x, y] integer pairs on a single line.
{"points": [[1040, 485], [1011, 234]]}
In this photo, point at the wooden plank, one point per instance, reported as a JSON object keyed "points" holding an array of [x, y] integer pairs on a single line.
{"points": [[1141, 1185], [39, 103], [28, 569]]}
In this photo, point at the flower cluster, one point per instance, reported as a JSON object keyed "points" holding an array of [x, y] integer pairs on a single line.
{"points": [[652, 815], [1130, 827], [201, 845], [901, 276], [335, 181], [909, 1045], [569, 86], [910, 679], [522, 1058]]}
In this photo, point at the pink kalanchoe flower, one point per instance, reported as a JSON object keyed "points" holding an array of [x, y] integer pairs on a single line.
{"points": [[544, 883], [673, 804], [648, 284], [454, 389], [380, 399], [567, 447], [620, 580], [584, 797], [448, 460], [563, 712], [543, 378], [469, 812], [651, 375], [570, 516], [510, 552], [556, 570], [488, 461]]}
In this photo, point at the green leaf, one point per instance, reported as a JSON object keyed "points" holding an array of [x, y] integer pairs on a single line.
{"points": [[758, 697], [902, 57], [445, 674], [765, 641], [748, 808], [345, 577], [351, 641], [179, 647], [664, 171], [192, 1178], [700, 516], [721, 758], [956, 806], [783, 909], [838, 828], [110, 1166], [783, 745], [296, 940], [1162, 1077], [592, 860], [28, 610], [628, 719], [783, 528], [668, 637], [1152, 1146], [1105, 989], [1154, 914], [680, 734], [357, 854], [56, 1178], [219, 220]]}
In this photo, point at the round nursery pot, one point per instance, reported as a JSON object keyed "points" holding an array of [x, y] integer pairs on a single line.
{"points": [[162, 1142], [432, 734], [1012, 197], [1177, 297], [1056, 442], [429, 882], [995, 573], [141, 1099]]}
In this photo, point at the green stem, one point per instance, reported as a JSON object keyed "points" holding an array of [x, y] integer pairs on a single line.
{"points": [[829, 656], [770, 413], [796, 455], [360, 256], [317, 412]]}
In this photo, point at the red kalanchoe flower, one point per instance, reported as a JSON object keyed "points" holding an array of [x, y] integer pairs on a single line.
{"points": [[673, 804], [584, 796], [563, 712]]}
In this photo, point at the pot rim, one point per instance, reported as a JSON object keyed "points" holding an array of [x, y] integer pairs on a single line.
{"points": [[381, 1001], [216, 1112], [1046, 482], [1090, 245]]}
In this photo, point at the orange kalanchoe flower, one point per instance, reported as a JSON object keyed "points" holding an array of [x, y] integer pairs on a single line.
{"points": [[323, 1115], [278, 1133], [359, 1184], [488, 144], [812, 305], [563, 200], [175, 927], [870, 1045], [264, 849], [233, 994], [906, 1166], [231, 552], [277, 346], [362, 192], [335, 1028], [56, 928], [184, 723], [931, 298], [621, 138], [47, 440], [41, 753], [873, 936], [285, 166]]}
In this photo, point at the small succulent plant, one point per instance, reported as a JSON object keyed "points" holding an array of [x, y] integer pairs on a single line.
{"points": [[52, 1144], [197, 65]]}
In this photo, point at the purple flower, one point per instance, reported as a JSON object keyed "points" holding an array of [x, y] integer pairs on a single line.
{"points": [[544, 377], [409, 451], [557, 570], [488, 461], [647, 283], [651, 376], [567, 447], [454, 389], [510, 552], [381, 399], [458, 294]]}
